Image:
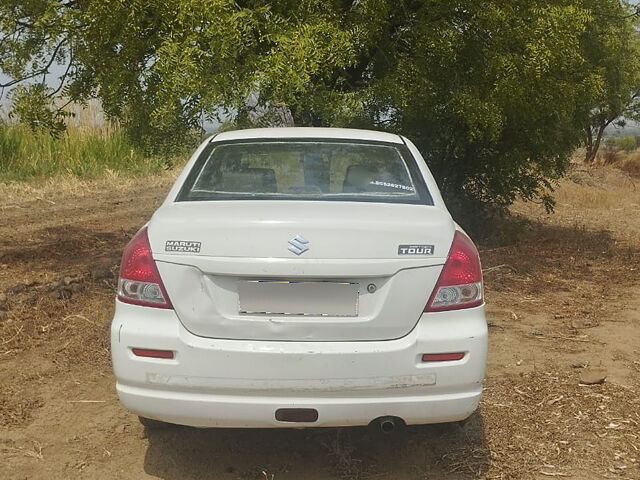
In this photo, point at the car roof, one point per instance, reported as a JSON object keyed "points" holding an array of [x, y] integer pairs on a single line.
{"points": [[308, 132]]}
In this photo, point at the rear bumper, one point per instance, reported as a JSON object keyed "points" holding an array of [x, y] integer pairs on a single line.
{"points": [[210, 410], [241, 383]]}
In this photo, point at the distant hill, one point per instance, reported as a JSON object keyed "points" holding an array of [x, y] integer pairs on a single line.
{"points": [[631, 129]]}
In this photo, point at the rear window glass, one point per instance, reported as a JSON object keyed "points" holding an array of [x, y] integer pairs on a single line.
{"points": [[305, 170]]}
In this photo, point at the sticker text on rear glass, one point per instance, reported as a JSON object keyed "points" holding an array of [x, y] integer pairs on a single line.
{"points": [[182, 246], [415, 249]]}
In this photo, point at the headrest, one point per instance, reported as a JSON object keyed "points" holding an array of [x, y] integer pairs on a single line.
{"points": [[358, 178], [249, 180]]}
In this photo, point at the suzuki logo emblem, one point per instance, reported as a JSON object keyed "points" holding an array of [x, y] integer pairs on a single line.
{"points": [[298, 245]]}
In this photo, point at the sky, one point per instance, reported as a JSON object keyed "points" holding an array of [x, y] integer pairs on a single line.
{"points": [[53, 79]]}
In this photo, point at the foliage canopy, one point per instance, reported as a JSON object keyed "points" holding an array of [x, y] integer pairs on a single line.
{"points": [[496, 94]]}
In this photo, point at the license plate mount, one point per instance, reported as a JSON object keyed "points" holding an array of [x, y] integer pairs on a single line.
{"points": [[298, 298]]}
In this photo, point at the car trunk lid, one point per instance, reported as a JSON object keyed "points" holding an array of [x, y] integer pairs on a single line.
{"points": [[299, 270]]}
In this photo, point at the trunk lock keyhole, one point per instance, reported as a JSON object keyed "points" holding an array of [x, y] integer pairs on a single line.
{"points": [[371, 288]]}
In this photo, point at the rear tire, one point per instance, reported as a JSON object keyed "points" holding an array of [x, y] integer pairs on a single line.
{"points": [[152, 424]]}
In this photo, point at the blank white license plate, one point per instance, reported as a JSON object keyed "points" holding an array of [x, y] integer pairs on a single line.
{"points": [[331, 299]]}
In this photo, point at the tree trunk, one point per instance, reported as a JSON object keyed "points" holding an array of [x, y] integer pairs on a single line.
{"points": [[588, 157], [305, 118], [593, 145]]}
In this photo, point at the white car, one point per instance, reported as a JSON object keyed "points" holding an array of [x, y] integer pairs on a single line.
{"points": [[301, 277]]}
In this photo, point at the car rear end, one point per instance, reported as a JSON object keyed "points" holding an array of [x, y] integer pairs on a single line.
{"points": [[301, 277]]}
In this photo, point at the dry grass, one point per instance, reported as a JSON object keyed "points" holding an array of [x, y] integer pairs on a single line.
{"points": [[35, 315], [609, 155], [545, 423], [631, 165], [35, 451], [593, 198], [63, 186], [599, 198], [17, 405], [536, 421]]}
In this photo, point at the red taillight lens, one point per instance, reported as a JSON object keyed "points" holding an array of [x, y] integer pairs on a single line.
{"points": [[460, 282], [140, 282]]}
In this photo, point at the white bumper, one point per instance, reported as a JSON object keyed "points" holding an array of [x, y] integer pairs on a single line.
{"points": [[241, 383]]}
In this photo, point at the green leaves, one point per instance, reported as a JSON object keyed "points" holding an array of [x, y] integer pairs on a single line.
{"points": [[496, 93], [34, 107], [303, 56]]}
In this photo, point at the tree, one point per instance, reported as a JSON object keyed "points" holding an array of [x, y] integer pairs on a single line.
{"points": [[496, 94], [612, 64]]}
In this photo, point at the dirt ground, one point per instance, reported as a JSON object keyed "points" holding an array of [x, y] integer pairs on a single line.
{"points": [[563, 296]]}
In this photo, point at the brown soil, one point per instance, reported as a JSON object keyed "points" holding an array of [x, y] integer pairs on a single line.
{"points": [[563, 294]]}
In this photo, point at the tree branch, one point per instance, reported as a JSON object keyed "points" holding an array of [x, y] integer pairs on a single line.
{"points": [[59, 109], [63, 78], [635, 13], [41, 71]]}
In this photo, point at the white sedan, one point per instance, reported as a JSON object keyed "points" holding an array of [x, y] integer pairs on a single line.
{"points": [[301, 277]]}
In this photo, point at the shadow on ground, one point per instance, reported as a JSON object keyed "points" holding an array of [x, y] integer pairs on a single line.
{"points": [[66, 247], [540, 256], [443, 452]]}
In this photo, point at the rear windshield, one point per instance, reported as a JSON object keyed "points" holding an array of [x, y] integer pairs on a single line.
{"points": [[306, 170]]}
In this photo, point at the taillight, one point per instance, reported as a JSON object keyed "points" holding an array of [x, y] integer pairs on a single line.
{"points": [[460, 282], [140, 282]]}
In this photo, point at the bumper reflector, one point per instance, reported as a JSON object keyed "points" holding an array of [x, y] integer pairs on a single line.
{"points": [[145, 352], [442, 357], [302, 415]]}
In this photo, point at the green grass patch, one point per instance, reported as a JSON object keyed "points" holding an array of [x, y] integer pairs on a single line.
{"points": [[84, 152]]}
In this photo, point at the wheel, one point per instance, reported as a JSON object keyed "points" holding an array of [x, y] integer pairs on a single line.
{"points": [[153, 424]]}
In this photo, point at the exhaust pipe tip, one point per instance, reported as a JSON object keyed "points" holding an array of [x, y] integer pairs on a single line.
{"points": [[388, 425]]}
